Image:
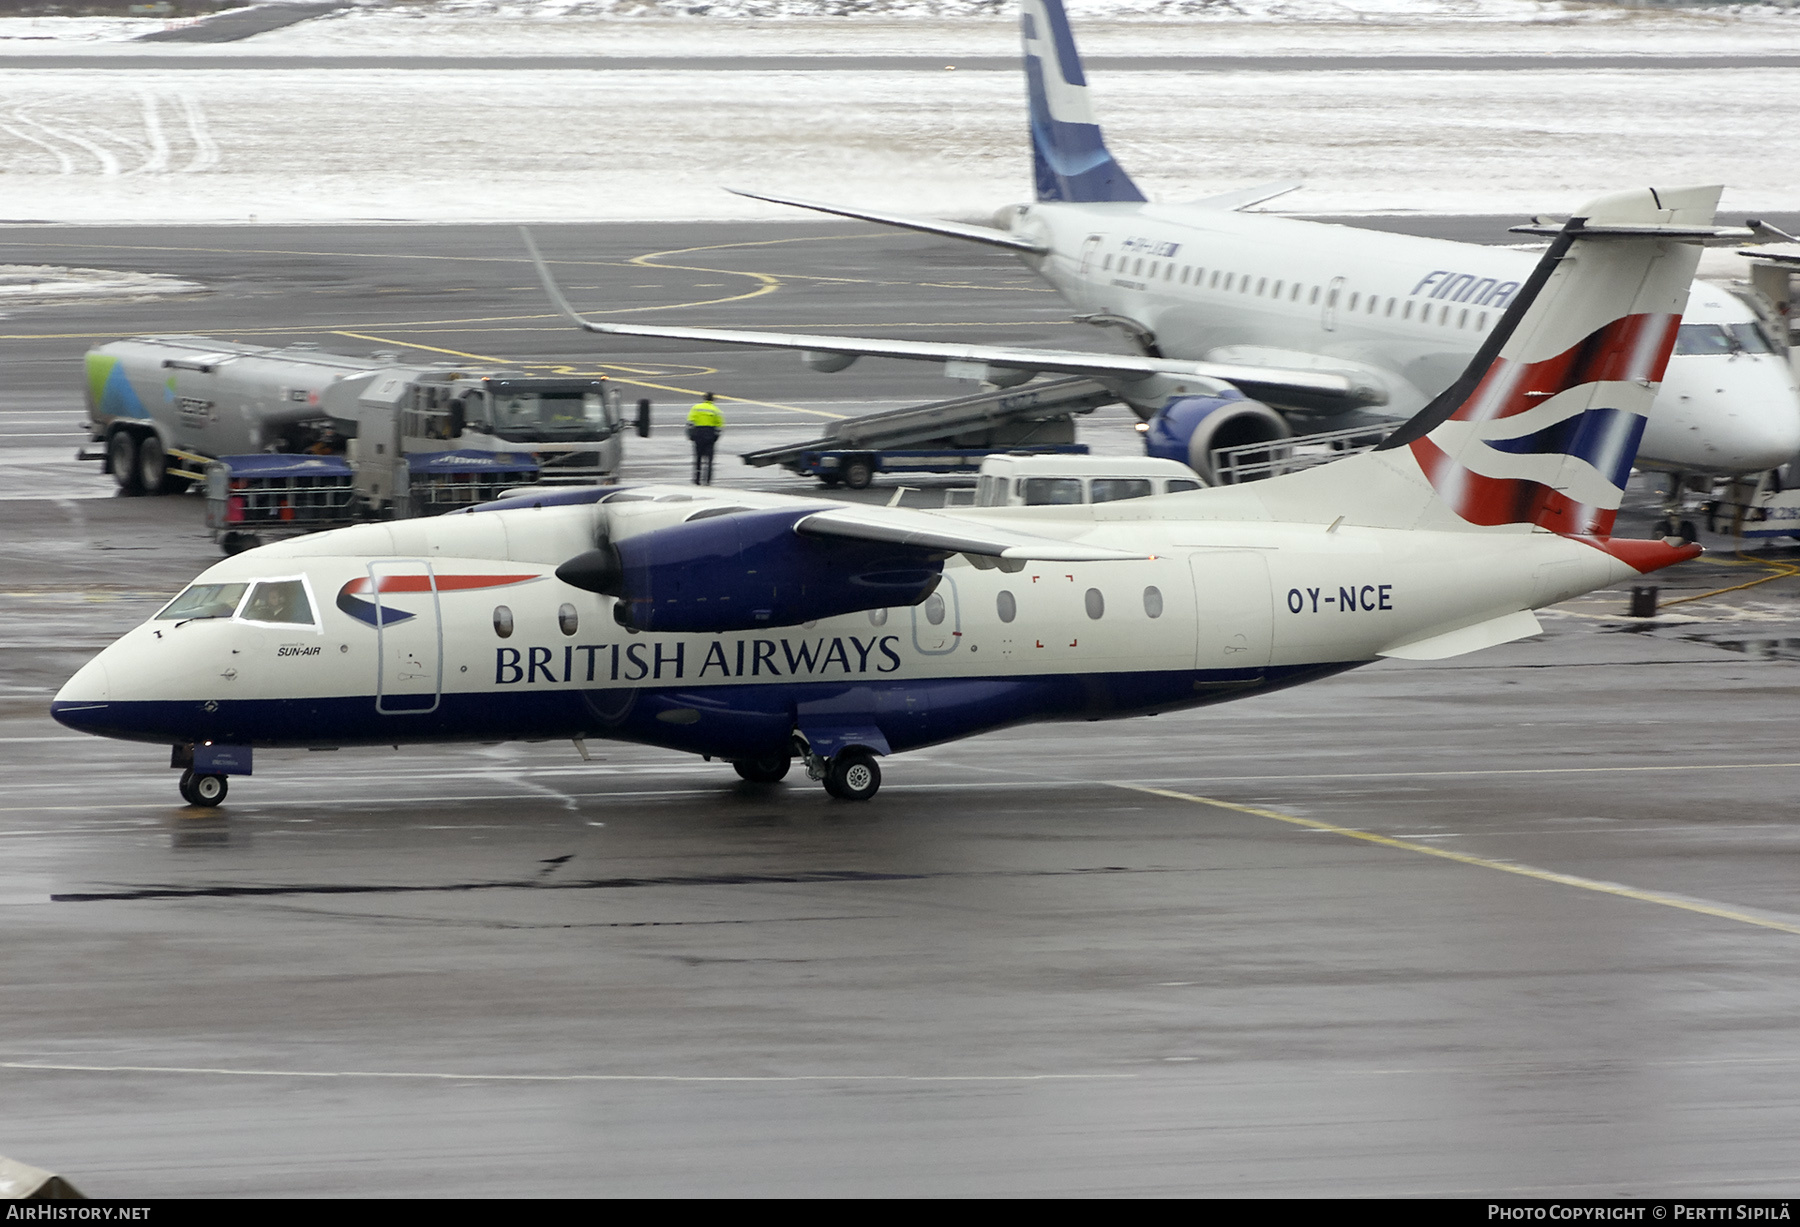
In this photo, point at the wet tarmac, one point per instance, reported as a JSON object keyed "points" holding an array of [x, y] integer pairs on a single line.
{"points": [[1520, 923]]}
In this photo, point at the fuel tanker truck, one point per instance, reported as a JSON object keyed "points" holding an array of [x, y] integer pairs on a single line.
{"points": [[299, 438]]}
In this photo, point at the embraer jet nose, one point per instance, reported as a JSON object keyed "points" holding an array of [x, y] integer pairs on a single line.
{"points": [[1756, 404], [84, 698]]}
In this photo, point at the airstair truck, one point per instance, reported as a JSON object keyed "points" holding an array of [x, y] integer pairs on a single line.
{"points": [[165, 407]]}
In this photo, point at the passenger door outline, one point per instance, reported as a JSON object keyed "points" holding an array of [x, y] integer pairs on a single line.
{"points": [[409, 668]]}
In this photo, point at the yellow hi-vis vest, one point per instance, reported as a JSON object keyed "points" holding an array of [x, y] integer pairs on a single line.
{"points": [[706, 414]]}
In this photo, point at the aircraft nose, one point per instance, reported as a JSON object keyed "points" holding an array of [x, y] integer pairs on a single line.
{"points": [[84, 700], [1749, 415]]}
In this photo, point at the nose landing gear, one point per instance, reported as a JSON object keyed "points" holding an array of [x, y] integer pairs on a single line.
{"points": [[202, 790], [852, 774]]}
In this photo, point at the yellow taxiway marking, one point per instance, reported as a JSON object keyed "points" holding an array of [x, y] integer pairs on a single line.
{"points": [[1778, 570], [1480, 862], [370, 1073], [636, 383]]}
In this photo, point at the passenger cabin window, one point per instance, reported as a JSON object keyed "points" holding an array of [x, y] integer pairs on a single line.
{"points": [[567, 620], [1139, 266], [503, 622], [1462, 320], [1153, 268], [1215, 280], [1294, 294], [1353, 299], [1406, 311], [1112, 489], [1314, 300], [1096, 604], [204, 601], [1481, 321], [1390, 309], [1052, 491], [1276, 292], [934, 609], [1006, 606], [1153, 602], [1262, 283], [878, 617], [1107, 264], [282, 601]]}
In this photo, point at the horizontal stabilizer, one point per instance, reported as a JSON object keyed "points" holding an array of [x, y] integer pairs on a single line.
{"points": [[926, 225], [929, 531], [1246, 197], [1460, 642]]}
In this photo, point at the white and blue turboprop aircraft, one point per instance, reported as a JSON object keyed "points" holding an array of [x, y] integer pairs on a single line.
{"points": [[1239, 315], [759, 627]]}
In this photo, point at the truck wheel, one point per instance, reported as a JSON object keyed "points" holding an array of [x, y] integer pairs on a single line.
{"points": [[122, 458], [153, 466], [858, 474]]}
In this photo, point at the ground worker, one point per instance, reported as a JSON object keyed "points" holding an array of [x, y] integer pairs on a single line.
{"points": [[704, 424]]}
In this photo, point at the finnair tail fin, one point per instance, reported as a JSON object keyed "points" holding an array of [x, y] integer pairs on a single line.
{"points": [[1069, 157], [1541, 430]]}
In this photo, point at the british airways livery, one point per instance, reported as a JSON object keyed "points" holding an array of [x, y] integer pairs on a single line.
{"points": [[760, 628], [1247, 325]]}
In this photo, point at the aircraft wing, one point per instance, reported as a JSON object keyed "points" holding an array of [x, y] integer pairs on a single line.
{"points": [[934, 531], [1280, 384], [926, 225]]}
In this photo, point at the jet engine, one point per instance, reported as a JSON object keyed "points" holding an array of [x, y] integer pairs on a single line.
{"points": [[746, 570], [1191, 428]]}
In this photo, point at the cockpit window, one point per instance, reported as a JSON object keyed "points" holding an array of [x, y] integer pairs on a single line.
{"points": [[279, 600], [1723, 339], [1704, 339], [204, 601], [1752, 338]]}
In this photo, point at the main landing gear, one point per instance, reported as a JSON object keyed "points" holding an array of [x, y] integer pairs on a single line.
{"points": [[203, 790], [851, 774]]}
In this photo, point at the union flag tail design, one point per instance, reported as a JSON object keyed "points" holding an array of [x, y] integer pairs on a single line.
{"points": [[1542, 429]]}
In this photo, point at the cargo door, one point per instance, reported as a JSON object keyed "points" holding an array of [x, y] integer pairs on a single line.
{"points": [[410, 635], [1235, 614]]}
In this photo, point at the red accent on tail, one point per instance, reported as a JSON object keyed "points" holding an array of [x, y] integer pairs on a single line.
{"points": [[1643, 556], [1506, 500]]}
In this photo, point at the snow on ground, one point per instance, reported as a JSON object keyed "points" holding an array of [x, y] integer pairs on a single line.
{"points": [[148, 145], [951, 28], [320, 145], [22, 284]]}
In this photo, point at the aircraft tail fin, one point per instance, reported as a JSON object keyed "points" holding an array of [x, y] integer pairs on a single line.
{"points": [[1070, 160], [1542, 429]]}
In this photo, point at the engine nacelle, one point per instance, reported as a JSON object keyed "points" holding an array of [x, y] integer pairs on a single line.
{"points": [[1190, 428], [747, 570]]}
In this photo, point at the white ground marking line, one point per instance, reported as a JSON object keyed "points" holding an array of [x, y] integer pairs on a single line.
{"points": [[158, 161], [429, 1077], [1687, 903], [65, 165], [206, 150]]}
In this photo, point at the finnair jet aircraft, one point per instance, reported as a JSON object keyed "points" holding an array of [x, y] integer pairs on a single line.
{"points": [[1309, 319], [755, 628]]}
